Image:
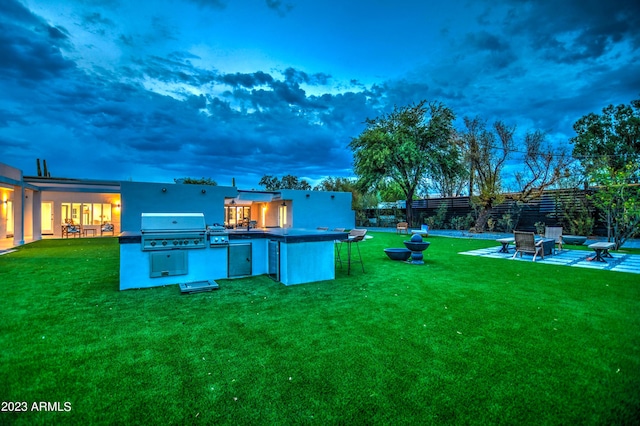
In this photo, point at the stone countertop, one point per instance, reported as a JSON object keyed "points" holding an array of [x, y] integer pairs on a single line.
{"points": [[286, 235]]}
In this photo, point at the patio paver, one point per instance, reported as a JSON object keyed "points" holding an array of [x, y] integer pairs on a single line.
{"points": [[620, 262]]}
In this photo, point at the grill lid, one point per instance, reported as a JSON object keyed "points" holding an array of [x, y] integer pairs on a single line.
{"points": [[172, 222]]}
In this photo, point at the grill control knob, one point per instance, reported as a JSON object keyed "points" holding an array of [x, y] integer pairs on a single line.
{"points": [[164, 242], [215, 240], [196, 242], [185, 242], [152, 243], [175, 242]]}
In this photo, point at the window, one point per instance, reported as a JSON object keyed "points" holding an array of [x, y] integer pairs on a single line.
{"points": [[234, 216], [101, 213], [86, 213], [283, 216]]}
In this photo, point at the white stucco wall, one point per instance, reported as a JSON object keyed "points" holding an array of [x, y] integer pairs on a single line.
{"points": [[319, 209], [146, 197]]}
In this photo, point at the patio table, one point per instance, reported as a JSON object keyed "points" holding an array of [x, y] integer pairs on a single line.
{"points": [[505, 244], [602, 251]]}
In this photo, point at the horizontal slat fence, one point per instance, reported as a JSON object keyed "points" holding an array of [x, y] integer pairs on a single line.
{"points": [[547, 209]]}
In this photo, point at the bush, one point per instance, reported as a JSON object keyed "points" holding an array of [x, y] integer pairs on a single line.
{"points": [[506, 222]]}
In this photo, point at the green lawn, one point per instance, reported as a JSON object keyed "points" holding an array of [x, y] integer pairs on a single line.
{"points": [[459, 340]]}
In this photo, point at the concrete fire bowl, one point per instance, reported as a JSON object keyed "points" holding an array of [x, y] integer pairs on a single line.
{"points": [[398, 253]]}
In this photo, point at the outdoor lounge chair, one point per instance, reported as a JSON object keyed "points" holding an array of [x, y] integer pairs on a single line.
{"points": [[354, 237], [555, 233], [402, 226], [526, 243]]}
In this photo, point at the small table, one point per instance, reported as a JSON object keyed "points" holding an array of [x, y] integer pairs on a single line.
{"points": [[602, 251], [505, 244], [548, 244], [87, 230]]}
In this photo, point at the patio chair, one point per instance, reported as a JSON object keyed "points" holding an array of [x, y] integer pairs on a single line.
{"points": [[354, 237], [402, 226], [106, 227], [526, 243], [555, 233], [70, 228]]}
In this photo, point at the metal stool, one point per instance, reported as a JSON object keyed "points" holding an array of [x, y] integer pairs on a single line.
{"points": [[355, 236]]}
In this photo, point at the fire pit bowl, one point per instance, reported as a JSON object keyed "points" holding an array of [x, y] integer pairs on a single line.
{"points": [[398, 253], [417, 246]]}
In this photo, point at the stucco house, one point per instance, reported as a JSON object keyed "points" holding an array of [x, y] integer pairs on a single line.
{"points": [[35, 207]]}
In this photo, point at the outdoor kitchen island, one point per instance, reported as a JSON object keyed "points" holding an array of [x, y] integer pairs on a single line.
{"points": [[290, 256]]}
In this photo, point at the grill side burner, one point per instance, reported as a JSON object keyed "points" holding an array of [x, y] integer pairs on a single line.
{"points": [[218, 236], [169, 231]]}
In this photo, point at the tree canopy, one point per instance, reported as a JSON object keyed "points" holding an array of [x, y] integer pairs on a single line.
{"points": [[403, 146], [488, 151], [193, 181], [272, 183], [609, 141], [608, 148]]}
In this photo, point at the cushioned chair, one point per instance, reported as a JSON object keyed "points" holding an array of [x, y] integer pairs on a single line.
{"points": [[526, 243], [105, 228], [555, 233], [70, 228], [354, 237]]}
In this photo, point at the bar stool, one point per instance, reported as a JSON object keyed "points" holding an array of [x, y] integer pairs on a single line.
{"points": [[354, 237]]}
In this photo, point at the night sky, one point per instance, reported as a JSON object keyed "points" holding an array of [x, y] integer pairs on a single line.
{"points": [[153, 90]]}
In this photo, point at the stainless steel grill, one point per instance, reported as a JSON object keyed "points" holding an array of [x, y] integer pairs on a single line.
{"points": [[170, 231], [218, 236]]}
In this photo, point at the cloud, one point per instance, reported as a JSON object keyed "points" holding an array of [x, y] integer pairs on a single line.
{"points": [[213, 4], [281, 8]]}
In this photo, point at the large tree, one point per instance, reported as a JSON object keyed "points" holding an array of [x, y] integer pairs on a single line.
{"points": [[608, 148], [403, 146], [488, 152]]}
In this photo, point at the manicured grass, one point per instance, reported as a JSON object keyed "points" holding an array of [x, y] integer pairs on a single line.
{"points": [[460, 340]]}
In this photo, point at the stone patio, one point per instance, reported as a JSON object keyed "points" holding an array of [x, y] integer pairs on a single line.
{"points": [[620, 262]]}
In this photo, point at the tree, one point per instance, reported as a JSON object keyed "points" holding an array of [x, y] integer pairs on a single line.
{"points": [[272, 183], [450, 174], [610, 141], [608, 148], [193, 181], [620, 203], [487, 157], [340, 184], [488, 153], [403, 146]]}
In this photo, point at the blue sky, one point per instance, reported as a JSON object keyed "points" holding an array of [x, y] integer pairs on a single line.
{"points": [[156, 90]]}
